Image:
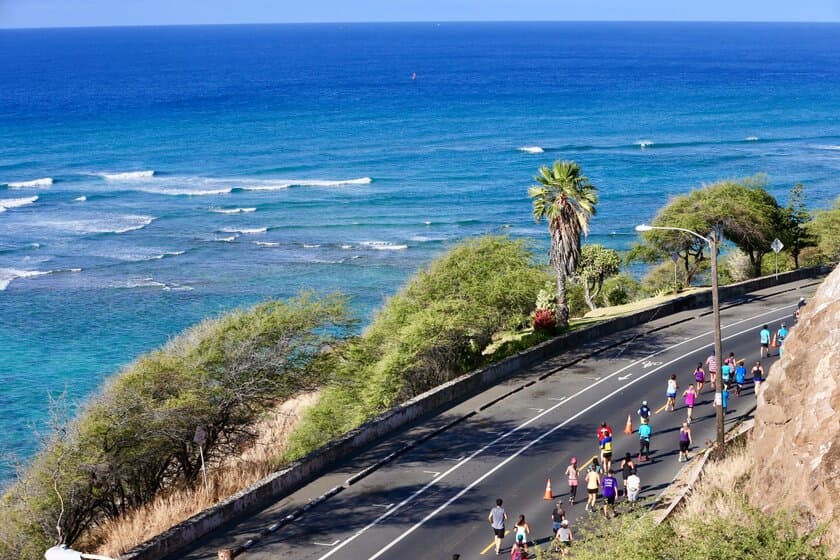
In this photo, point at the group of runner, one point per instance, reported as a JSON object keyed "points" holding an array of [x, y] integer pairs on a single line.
{"points": [[599, 476]]}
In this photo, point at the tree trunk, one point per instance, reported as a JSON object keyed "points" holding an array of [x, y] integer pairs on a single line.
{"points": [[589, 296], [562, 315]]}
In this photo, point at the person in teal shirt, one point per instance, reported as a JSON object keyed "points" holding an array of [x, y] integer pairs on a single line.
{"points": [[644, 441], [782, 335]]}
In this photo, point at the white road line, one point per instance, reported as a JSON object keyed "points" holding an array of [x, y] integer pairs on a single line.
{"points": [[443, 475], [624, 377], [327, 544], [435, 473]]}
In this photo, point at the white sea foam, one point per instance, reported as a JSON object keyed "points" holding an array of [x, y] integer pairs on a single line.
{"points": [[9, 274], [164, 255], [644, 143], [426, 238], [267, 243], [106, 224], [751, 138], [186, 192], [428, 223], [35, 183], [310, 245], [7, 203], [383, 246], [531, 149], [80, 199], [829, 147], [229, 239], [245, 231], [233, 210], [345, 246], [280, 184], [128, 175]]}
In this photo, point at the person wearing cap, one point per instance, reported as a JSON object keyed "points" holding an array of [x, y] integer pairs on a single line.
{"points": [[764, 339], [644, 413], [563, 538], [572, 476]]}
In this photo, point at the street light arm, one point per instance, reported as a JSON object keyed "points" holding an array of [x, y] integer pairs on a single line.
{"points": [[645, 227]]}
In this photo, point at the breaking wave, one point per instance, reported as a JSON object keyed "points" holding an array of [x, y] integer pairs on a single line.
{"points": [[127, 175], [245, 231], [233, 210], [7, 203], [7, 275], [531, 149], [35, 183], [383, 246]]}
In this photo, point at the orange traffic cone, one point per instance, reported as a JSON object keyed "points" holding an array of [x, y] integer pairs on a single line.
{"points": [[775, 342], [548, 495], [628, 427]]}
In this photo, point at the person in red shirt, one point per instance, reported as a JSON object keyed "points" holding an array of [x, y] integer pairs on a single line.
{"points": [[603, 432]]}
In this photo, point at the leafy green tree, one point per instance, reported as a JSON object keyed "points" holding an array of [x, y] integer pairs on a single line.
{"points": [[826, 229], [795, 233], [742, 211], [566, 199], [596, 264]]}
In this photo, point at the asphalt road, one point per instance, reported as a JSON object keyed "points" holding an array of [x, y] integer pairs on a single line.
{"points": [[433, 501]]}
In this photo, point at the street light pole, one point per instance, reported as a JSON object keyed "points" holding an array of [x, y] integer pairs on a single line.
{"points": [[712, 241]]}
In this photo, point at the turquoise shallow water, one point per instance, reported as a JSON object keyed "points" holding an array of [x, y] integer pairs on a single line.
{"points": [[180, 172]]}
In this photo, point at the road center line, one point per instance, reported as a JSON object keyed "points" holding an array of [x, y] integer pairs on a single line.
{"points": [[443, 475]]}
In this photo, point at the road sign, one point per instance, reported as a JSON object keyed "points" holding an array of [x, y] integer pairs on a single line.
{"points": [[777, 245]]}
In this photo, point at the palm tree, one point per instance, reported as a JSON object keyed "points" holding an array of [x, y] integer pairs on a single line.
{"points": [[566, 199]]}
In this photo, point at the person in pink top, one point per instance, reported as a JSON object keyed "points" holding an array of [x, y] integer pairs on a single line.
{"points": [[690, 395], [711, 365], [572, 475]]}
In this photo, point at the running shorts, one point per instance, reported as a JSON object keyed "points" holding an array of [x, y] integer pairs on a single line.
{"points": [[683, 446], [499, 532]]}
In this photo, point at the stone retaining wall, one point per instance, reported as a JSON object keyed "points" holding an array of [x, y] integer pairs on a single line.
{"points": [[290, 479]]}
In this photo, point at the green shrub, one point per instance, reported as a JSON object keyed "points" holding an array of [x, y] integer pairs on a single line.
{"points": [[135, 438], [433, 330], [620, 290]]}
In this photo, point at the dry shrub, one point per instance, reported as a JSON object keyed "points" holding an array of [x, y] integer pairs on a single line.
{"points": [[121, 534]]}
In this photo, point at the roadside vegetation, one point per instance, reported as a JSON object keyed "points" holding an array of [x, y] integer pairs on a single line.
{"points": [[130, 465]]}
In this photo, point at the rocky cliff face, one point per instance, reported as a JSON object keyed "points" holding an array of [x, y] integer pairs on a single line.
{"points": [[796, 440]]}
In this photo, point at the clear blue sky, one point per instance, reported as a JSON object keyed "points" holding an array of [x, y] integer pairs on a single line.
{"points": [[70, 13]]}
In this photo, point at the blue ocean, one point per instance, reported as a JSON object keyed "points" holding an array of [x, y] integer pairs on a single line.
{"points": [[151, 177]]}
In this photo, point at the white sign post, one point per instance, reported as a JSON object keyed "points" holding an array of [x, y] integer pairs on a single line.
{"points": [[777, 246]]}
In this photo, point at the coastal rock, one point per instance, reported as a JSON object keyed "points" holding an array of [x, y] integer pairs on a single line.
{"points": [[796, 440]]}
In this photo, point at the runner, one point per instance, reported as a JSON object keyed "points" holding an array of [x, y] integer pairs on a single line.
{"points": [[689, 395], [711, 365], [593, 482], [724, 398], [671, 393], [557, 516], [764, 338], [628, 467], [757, 376], [523, 533], [564, 538], [740, 377], [572, 476], [497, 520], [644, 441], [644, 413], [726, 372], [634, 485], [609, 487], [596, 465], [517, 551], [699, 377], [782, 335], [603, 431], [685, 442], [730, 359], [606, 453]]}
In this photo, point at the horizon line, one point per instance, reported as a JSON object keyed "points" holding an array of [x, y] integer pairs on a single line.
{"points": [[408, 22]]}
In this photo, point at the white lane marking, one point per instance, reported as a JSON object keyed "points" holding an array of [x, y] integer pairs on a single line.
{"points": [[386, 506], [443, 475], [335, 542], [435, 473], [625, 377], [561, 399], [537, 409], [649, 363]]}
